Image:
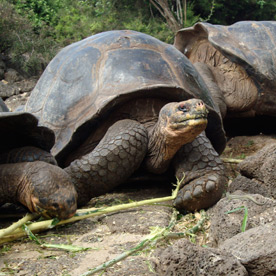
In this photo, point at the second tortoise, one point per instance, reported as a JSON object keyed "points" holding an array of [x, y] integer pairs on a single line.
{"points": [[237, 63], [29, 175]]}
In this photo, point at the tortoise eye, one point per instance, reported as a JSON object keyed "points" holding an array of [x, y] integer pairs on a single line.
{"points": [[182, 108]]}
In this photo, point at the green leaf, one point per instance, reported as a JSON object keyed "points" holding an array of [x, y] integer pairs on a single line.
{"points": [[245, 217], [30, 234], [55, 221], [235, 210]]}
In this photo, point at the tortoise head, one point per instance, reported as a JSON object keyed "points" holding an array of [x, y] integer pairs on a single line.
{"points": [[183, 121], [179, 123], [49, 191]]}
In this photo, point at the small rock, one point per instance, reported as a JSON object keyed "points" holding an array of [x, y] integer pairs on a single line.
{"points": [[28, 85], [7, 90], [2, 69], [249, 186], [12, 76], [255, 249], [261, 166], [16, 101], [225, 225], [185, 258]]}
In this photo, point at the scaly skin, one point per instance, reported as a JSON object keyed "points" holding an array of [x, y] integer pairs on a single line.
{"points": [[205, 178], [126, 143], [41, 187], [116, 157], [27, 154], [178, 124]]}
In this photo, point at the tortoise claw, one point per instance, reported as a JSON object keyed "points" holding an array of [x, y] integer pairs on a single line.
{"points": [[201, 193]]}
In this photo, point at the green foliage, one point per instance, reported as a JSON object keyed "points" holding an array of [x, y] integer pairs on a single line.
{"points": [[4, 249], [192, 17], [39, 12], [29, 51], [245, 217], [33, 30], [66, 247], [228, 12], [80, 19]]}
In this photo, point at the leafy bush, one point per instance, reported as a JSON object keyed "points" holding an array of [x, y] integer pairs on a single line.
{"points": [[27, 51], [39, 12], [79, 19], [33, 30], [228, 12]]}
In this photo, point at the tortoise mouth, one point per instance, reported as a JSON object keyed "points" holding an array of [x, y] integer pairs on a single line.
{"points": [[36, 208], [194, 120], [53, 211], [195, 117], [34, 205]]}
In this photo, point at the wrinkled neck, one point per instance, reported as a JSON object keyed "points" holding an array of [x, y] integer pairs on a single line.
{"points": [[11, 183], [161, 149]]}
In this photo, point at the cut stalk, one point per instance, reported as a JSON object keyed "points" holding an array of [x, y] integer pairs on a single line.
{"points": [[231, 160], [82, 214], [14, 226], [153, 238]]}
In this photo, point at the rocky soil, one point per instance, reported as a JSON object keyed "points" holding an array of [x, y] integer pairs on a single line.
{"points": [[220, 248], [14, 88]]}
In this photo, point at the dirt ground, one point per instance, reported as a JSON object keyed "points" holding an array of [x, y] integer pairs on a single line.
{"points": [[107, 236]]}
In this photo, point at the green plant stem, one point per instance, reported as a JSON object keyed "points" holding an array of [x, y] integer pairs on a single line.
{"points": [[246, 196], [199, 224], [82, 214], [193, 230], [153, 237], [245, 217], [14, 226], [231, 160]]}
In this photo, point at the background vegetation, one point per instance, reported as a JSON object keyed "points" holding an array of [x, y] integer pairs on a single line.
{"points": [[32, 31]]}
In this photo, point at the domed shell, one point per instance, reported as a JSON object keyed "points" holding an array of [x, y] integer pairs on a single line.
{"points": [[90, 77], [20, 129], [251, 44]]}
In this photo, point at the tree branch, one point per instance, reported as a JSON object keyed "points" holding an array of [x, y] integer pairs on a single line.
{"points": [[163, 7]]}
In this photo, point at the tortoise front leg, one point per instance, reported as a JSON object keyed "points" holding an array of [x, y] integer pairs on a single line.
{"points": [[205, 178], [116, 157]]}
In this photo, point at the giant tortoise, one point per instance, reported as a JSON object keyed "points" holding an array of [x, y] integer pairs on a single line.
{"points": [[122, 100], [28, 172], [237, 63]]}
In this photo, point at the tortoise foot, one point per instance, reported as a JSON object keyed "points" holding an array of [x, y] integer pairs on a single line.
{"points": [[202, 192]]}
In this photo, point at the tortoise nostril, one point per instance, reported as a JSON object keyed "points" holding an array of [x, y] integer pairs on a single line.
{"points": [[200, 104]]}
